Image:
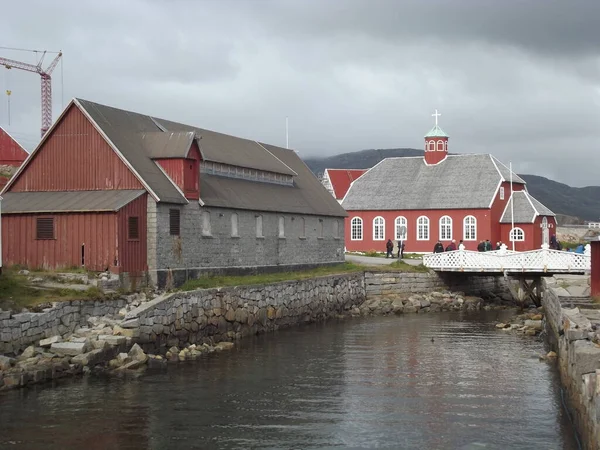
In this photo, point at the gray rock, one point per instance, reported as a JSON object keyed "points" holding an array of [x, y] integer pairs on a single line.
{"points": [[29, 352], [132, 323], [112, 340], [6, 362], [49, 341], [137, 354], [68, 348], [535, 324]]}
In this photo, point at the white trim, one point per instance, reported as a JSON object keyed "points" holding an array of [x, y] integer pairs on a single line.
{"points": [[496, 166], [428, 228], [383, 228], [536, 212], [158, 125], [494, 160], [440, 161], [465, 228], [510, 233], [405, 224], [361, 229], [265, 149], [437, 145], [169, 178], [15, 141], [441, 238], [502, 193], [496, 192]]}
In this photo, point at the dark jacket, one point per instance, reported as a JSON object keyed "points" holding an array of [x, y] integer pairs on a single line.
{"points": [[451, 247], [389, 245], [439, 248], [481, 247]]}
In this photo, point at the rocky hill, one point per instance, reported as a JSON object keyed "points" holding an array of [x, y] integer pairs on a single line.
{"points": [[570, 203]]}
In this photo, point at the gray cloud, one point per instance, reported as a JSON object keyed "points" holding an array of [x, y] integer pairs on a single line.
{"points": [[519, 79]]}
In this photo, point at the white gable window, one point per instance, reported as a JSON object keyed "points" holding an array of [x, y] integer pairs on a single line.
{"points": [[470, 228], [401, 232], [445, 228], [206, 231], [234, 225], [440, 146], [259, 226], [356, 229], [517, 234], [501, 192], [378, 229], [423, 228], [432, 145], [281, 226]]}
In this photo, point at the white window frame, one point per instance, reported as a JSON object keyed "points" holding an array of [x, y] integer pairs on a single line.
{"points": [[432, 145], [259, 226], [440, 145], [398, 222], [468, 226], [235, 229], [423, 228], [445, 228], [281, 227], [516, 235], [356, 224], [379, 229], [206, 227], [501, 192]]}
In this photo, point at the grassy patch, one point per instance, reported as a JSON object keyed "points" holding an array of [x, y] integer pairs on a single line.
{"points": [[405, 267], [16, 292]]}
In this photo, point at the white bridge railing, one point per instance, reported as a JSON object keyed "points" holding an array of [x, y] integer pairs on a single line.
{"points": [[543, 260]]}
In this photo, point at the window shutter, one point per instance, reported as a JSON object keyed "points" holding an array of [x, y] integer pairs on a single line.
{"points": [[174, 222], [133, 227], [45, 228]]}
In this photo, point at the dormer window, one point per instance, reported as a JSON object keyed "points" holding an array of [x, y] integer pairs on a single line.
{"points": [[440, 146]]}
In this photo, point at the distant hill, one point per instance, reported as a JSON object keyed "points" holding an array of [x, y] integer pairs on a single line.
{"points": [[564, 200]]}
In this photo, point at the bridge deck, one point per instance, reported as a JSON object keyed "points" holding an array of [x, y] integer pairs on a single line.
{"points": [[543, 261]]}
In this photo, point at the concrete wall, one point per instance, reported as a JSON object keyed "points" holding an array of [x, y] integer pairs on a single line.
{"points": [[579, 365], [199, 249]]}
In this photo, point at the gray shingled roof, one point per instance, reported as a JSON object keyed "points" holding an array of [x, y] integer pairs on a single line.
{"points": [[459, 181], [130, 131], [160, 144], [526, 208], [70, 201]]}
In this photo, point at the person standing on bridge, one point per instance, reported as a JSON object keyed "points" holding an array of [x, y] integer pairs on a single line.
{"points": [[452, 246], [488, 245], [438, 248]]}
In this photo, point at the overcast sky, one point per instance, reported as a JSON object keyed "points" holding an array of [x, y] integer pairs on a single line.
{"points": [[518, 79]]}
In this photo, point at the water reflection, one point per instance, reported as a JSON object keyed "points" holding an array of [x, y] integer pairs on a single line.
{"points": [[357, 384]]}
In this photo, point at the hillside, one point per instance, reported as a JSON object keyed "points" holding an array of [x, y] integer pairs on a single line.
{"points": [[583, 203]]}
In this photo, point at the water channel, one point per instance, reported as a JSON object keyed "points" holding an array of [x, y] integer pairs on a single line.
{"points": [[427, 381]]}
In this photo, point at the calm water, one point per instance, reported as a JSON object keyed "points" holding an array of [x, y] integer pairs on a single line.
{"points": [[375, 383]]}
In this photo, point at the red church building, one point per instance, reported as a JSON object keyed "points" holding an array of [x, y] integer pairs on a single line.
{"points": [[420, 200]]}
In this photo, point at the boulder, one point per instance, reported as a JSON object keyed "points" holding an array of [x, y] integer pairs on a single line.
{"points": [[123, 358], [49, 341], [535, 324], [29, 352], [68, 348], [6, 362], [502, 325], [224, 346], [127, 332], [536, 317], [137, 354], [112, 340]]}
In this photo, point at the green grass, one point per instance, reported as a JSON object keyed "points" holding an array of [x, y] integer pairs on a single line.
{"points": [[17, 293], [405, 267]]}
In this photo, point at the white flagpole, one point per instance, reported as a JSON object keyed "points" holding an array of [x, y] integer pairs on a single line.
{"points": [[512, 208], [287, 134]]}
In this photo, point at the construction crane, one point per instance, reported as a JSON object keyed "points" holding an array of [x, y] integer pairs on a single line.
{"points": [[46, 83]]}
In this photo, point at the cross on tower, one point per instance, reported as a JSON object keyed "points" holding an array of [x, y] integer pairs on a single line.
{"points": [[436, 115]]}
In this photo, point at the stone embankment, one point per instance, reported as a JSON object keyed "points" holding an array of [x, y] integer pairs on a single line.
{"points": [[575, 332]]}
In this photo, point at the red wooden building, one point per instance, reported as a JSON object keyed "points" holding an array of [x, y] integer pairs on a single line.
{"points": [[420, 200], [11, 152], [338, 181]]}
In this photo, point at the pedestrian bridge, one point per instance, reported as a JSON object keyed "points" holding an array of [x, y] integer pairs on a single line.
{"points": [[543, 261]]}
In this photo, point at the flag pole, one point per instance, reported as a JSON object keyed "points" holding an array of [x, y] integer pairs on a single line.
{"points": [[512, 208], [287, 134]]}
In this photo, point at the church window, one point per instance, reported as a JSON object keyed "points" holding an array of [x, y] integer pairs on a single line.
{"points": [[517, 234], [356, 232], [446, 228], [400, 231], [423, 228], [281, 226], [432, 145], [440, 146], [378, 229], [446, 146], [206, 231], [259, 226], [470, 228], [501, 192], [234, 225]]}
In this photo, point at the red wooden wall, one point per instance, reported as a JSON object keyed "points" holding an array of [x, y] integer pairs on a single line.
{"points": [[184, 172], [11, 153], [75, 157], [595, 275], [132, 254], [96, 231], [498, 207]]}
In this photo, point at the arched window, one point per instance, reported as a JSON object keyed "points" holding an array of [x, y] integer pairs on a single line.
{"points": [[432, 145], [281, 226], [206, 223], [422, 228], [401, 232], [356, 229], [445, 228], [234, 225], [517, 234], [470, 228], [378, 229], [440, 146]]}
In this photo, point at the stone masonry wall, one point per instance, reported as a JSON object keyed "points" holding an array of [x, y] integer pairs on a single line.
{"points": [[579, 364], [303, 243], [17, 331], [233, 312]]}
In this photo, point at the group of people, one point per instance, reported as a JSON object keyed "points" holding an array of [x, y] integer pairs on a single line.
{"points": [[389, 247], [439, 247]]}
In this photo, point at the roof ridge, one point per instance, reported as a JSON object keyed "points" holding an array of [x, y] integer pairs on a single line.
{"points": [[271, 153]]}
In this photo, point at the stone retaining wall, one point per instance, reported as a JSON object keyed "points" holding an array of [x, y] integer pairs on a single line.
{"points": [[233, 312], [579, 364], [17, 331]]}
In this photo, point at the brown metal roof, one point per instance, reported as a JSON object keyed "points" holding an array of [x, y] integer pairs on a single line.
{"points": [[160, 144], [306, 196], [71, 201]]}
